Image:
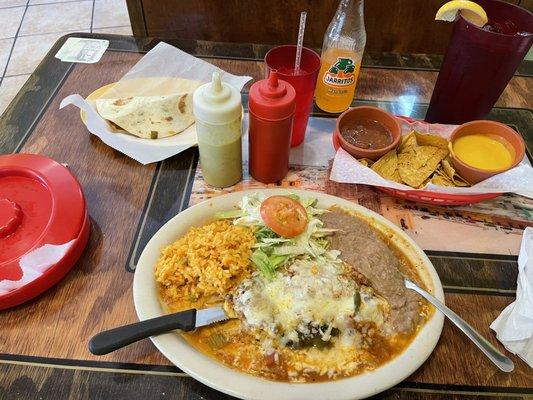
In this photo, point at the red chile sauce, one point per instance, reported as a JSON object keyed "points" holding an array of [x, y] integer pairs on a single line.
{"points": [[366, 134]]}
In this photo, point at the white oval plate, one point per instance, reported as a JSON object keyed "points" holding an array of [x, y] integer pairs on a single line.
{"points": [[235, 383]]}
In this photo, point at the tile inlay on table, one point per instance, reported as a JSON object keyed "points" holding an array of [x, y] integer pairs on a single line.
{"points": [[28, 29]]}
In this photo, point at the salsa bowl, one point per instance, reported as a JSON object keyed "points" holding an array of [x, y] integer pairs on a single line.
{"points": [[370, 113]]}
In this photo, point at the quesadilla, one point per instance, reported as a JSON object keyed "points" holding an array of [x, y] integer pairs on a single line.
{"points": [[149, 117]]}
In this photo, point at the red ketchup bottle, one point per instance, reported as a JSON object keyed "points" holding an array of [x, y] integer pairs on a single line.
{"points": [[271, 104]]}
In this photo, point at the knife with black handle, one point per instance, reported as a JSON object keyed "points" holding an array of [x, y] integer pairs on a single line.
{"points": [[107, 341]]}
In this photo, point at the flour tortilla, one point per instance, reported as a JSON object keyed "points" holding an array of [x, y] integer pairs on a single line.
{"points": [[149, 117]]}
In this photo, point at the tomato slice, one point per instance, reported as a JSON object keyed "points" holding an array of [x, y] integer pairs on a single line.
{"points": [[285, 216]]}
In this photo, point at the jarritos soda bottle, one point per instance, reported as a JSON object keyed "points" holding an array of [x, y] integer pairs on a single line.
{"points": [[342, 51]]}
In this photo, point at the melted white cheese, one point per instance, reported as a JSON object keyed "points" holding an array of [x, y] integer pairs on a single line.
{"points": [[306, 294], [371, 308]]}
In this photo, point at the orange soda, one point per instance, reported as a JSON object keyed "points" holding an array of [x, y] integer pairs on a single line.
{"points": [[342, 51]]}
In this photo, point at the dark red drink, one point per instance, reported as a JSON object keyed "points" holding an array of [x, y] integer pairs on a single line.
{"points": [[282, 59], [479, 62]]}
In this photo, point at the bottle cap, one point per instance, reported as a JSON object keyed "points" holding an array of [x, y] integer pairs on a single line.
{"points": [[272, 98], [217, 102]]}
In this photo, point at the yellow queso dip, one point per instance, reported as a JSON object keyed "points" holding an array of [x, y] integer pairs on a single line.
{"points": [[488, 152]]}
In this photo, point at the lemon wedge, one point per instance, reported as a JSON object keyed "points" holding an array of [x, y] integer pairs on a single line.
{"points": [[471, 11]]}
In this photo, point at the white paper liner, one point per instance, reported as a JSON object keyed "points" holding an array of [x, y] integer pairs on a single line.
{"points": [[159, 66], [346, 169], [514, 326], [35, 263]]}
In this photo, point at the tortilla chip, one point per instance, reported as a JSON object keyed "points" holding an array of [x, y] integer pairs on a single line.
{"points": [[441, 177], [387, 166], [366, 162], [458, 180], [419, 159], [449, 171], [447, 167], [418, 156], [416, 165], [441, 180], [425, 139], [441, 154], [423, 185], [408, 142]]}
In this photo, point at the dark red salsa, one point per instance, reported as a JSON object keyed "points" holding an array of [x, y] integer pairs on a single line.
{"points": [[366, 134]]}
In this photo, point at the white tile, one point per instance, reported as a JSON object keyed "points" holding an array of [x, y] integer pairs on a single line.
{"points": [[29, 51], [12, 3], [10, 21], [48, 1], [110, 13], [5, 48], [118, 30], [9, 88], [60, 17]]}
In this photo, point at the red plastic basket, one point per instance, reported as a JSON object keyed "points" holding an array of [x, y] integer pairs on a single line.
{"points": [[427, 197]]}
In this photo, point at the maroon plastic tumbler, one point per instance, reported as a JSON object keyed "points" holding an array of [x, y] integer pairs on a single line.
{"points": [[479, 62]]}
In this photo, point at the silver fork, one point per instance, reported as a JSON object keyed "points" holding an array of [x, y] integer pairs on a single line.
{"points": [[500, 360]]}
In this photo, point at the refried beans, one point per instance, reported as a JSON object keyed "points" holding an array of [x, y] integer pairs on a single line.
{"points": [[373, 260]]}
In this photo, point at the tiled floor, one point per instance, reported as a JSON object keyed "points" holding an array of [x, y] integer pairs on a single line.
{"points": [[29, 28]]}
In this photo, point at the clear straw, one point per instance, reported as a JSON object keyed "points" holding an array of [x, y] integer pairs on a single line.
{"points": [[301, 31]]}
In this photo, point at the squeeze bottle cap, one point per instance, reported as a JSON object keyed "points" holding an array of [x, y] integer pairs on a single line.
{"points": [[217, 102], [272, 98]]}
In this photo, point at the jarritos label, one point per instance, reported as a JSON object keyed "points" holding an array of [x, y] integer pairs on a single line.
{"points": [[341, 73]]}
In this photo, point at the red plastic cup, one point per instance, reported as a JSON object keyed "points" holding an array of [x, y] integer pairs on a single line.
{"points": [[282, 59]]}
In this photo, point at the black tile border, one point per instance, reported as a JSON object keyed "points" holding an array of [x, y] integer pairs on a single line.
{"points": [[154, 369], [474, 256], [171, 200], [68, 362]]}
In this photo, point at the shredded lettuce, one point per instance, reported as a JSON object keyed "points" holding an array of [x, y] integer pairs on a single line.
{"points": [[273, 251], [267, 265], [251, 210], [262, 262], [229, 214], [264, 233]]}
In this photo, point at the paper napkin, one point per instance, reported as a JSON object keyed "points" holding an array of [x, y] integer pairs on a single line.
{"points": [[514, 326]]}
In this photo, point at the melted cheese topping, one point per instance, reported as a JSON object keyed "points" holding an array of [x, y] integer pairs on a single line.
{"points": [[371, 308], [304, 296]]}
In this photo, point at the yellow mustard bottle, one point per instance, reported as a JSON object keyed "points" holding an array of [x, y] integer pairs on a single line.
{"points": [[218, 111]]}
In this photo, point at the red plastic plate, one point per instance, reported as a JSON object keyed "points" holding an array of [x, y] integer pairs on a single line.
{"points": [[41, 203]]}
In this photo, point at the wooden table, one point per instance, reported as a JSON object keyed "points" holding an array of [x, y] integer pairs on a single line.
{"points": [[43, 343]]}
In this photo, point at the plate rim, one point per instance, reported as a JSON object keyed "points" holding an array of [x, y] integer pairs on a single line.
{"points": [[230, 381]]}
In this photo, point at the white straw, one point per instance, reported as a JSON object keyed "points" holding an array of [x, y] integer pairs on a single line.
{"points": [[301, 31]]}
